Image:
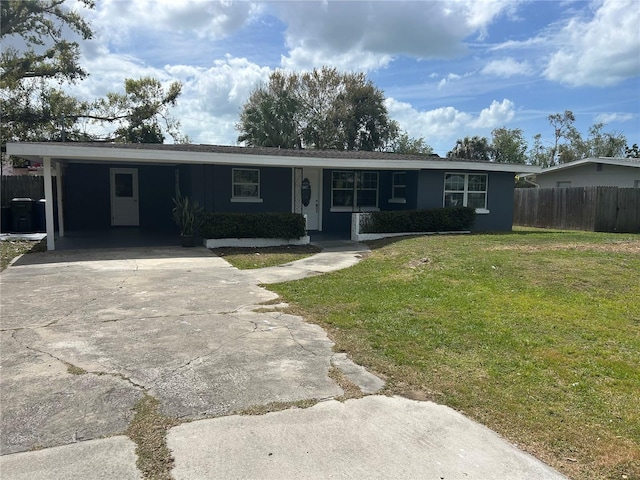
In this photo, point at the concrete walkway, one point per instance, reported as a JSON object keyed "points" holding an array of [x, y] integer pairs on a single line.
{"points": [[86, 334]]}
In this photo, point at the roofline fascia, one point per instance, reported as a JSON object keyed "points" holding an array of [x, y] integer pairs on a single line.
{"points": [[37, 152]]}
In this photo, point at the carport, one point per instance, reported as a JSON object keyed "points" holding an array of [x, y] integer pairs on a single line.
{"points": [[120, 168]]}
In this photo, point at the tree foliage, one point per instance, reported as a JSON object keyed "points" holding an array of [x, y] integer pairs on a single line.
{"points": [[403, 143], [569, 144], [36, 50], [36, 109], [472, 148], [141, 113], [632, 152], [322, 109], [40, 25], [508, 146]]}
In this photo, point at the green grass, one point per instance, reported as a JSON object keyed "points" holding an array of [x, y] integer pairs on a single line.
{"points": [[535, 334], [10, 249], [249, 258]]}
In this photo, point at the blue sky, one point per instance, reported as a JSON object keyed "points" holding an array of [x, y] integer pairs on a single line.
{"points": [[449, 69]]}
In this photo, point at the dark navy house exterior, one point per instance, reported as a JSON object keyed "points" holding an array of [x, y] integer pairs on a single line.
{"points": [[104, 186]]}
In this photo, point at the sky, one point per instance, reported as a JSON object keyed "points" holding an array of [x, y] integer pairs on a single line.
{"points": [[448, 69]]}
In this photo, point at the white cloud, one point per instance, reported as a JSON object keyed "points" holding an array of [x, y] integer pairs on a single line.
{"points": [[441, 127], [507, 67], [600, 52], [497, 114], [206, 18], [613, 117], [213, 97], [365, 35]]}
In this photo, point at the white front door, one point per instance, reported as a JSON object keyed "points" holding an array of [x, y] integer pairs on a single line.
{"points": [[312, 197], [124, 197]]}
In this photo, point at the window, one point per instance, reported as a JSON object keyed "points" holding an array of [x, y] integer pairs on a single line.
{"points": [[399, 186], [465, 190], [354, 190], [246, 185], [563, 184], [636, 184]]}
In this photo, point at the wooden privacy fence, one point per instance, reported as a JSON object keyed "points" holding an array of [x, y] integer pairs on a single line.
{"points": [[21, 186], [597, 209]]}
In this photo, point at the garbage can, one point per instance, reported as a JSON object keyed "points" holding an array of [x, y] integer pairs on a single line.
{"points": [[22, 215], [6, 220], [41, 215]]}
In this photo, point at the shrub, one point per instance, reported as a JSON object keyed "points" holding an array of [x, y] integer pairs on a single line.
{"points": [[253, 225], [432, 220]]}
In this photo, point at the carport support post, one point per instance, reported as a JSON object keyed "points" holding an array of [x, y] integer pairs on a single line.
{"points": [[48, 206]]}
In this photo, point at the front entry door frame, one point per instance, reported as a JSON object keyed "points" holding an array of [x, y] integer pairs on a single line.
{"points": [[312, 179], [125, 209]]}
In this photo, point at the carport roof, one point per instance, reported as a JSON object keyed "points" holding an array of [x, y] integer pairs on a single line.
{"points": [[250, 156]]}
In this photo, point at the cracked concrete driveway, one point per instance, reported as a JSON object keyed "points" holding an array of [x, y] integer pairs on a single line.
{"points": [[85, 334]]}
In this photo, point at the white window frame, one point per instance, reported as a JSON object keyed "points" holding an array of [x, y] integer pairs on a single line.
{"points": [[394, 184], [355, 188], [245, 199], [465, 191]]}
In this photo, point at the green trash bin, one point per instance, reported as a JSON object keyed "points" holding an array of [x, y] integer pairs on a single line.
{"points": [[23, 211]]}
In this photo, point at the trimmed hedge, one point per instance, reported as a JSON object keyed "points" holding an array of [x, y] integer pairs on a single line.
{"points": [[432, 220], [253, 225]]}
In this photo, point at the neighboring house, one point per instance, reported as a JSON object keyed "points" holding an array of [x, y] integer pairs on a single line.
{"points": [[590, 172], [110, 185]]}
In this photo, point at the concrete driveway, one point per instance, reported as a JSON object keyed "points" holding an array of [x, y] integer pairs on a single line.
{"points": [[86, 334]]}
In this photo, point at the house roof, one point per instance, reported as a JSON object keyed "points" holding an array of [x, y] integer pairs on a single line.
{"points": [[249, 156], [622, 162]]}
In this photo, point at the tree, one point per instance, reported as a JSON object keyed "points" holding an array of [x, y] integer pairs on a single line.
{"points": [[409, 145], [508, 146], [562, 124], [270, 116], [32, 109], [141, 113], [539, 154], [46, 53], [472, 148], [319, 109], [632, 152], [605, 144]]}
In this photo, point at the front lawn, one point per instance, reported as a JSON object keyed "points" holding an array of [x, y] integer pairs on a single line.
{"points": [[535, 334], [9, 249]]}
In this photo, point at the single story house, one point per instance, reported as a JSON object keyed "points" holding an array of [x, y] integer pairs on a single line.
{"points": [[110, 185], [590, 172]]}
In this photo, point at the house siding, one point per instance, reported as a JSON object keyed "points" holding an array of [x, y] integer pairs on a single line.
{"points": [[87, 202], [500, 187], [211, 185], [587, 175]]}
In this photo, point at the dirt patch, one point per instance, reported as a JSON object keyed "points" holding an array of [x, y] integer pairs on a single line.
{"points": [[612, 247]]}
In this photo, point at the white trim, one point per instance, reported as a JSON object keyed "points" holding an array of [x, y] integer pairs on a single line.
{"points": [[68, 152], [48, 206], [482, 211], [242, 198], [254, 242], [465, 191], [621, 162], [245, 200], [397, 200], [354, 210]]}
